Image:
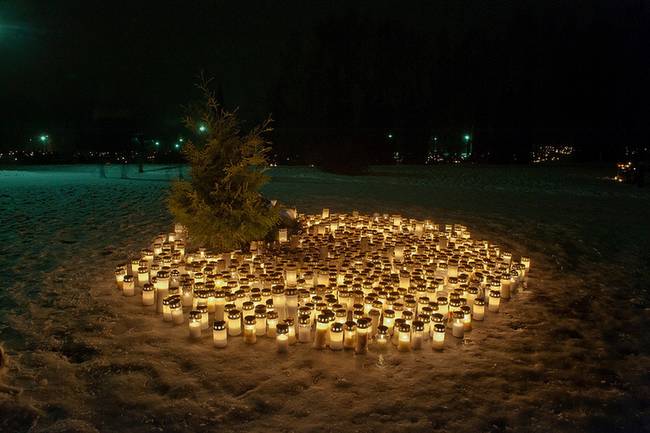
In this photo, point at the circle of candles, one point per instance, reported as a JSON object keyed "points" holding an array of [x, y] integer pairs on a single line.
{"points": [[148, 294], [304, 328], [417, 338], [438, 340], [128, 285], [404, 337], [219, 334], [250, 336], [195, 324], [349, 335], [493, 301], [478, 309], [234, 323], [320, 336], [177, 311], [458, 327], [282, 338], [361, 346], [336, 336]]}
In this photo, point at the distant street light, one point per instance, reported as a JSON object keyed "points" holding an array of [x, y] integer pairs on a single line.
{"points": [[177, 146], [390, 135], [203, 128], [43, 138], [466, 137], [157, 143]]}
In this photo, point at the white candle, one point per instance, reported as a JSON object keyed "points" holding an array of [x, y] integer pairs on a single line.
{"points": [[234, 323], [336, 336], [458, 328], [304, 329], [219, 334], [320, 337], [260, 325], [494, 301], [148, 294], [361, 346], [166, 311], [478, 309], [282, 339], [177, 311], [467, 317], [418, 335], [195, 324], [350, 335], [271, 324], [381, 338], [250, 336], [128, 286], [143, 275], [438, 340], [404, 338], [293, 339]]}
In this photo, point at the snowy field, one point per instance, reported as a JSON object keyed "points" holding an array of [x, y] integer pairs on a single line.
{"points": [[570, 354]]}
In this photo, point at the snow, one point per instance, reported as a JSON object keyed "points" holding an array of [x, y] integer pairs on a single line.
{"points": [[569, 354]]}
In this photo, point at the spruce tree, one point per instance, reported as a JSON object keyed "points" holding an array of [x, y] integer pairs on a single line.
{"points": [[221, 204]]}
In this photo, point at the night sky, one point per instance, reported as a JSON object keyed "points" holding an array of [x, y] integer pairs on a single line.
{"points": [[514, 73]]}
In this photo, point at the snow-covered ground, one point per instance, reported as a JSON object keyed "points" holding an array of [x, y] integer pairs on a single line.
{"points": [[570, 354]]}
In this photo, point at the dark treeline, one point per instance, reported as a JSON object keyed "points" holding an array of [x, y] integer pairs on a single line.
{"points": [[344, 81]]}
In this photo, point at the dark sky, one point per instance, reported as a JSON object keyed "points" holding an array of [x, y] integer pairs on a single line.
{"points": [[544, 68]]}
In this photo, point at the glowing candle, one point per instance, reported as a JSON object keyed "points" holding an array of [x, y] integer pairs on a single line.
{"points": [[494, 301], [282, 338], [404, 338], [290, 276], [143, 275], [148, 294], [326, 213], [250, 336], [304, 328], [438, 341], [234, 323], [374, 321], [320, 337], [128, 286], [478, 309], [389, 320], [177, 311], [292, 331], [195, 324], [381, 338], [458, 328], [282, 235], [349, 335], [291, 302], [418, 335], [472, 294], [336, 336], [120, 272], [166, 311], [219, 334], [361, 346], [260, 327], [467, 317], [205, 321], [188, 295], [272, 323], [162, 288], [395, 337], [279, 300]]}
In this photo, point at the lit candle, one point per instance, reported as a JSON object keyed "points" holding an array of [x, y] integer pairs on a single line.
{"points": [[418, 335], [389, 320], [349, 335], [404, 338], [282, 235], [279, 300], [162, 288], [292, 331], [336, 336], [438, 341], [282, 338], [166, 311], [381, 338], [143, 275], [205, 321], [128, 286], [219, 334], [467, 317], [304, 328], [234, 323], [195, 324], [326, 213], [361, 346], [148, 294], [320, 337], [120, 272], [177, 311], [478, 309], [291, 301], [494, 301], [250, 336], [260, 327], [272, 323], [395, 337], [458, 328]]}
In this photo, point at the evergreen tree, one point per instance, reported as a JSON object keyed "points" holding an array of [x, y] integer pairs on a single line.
{"points": [[221, 204]]}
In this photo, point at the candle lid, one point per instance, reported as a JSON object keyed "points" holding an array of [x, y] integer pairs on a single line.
{"points": [[282, 329], [439, 328], [337, 327], [219, 325], [194, 314], [250, 320]]}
